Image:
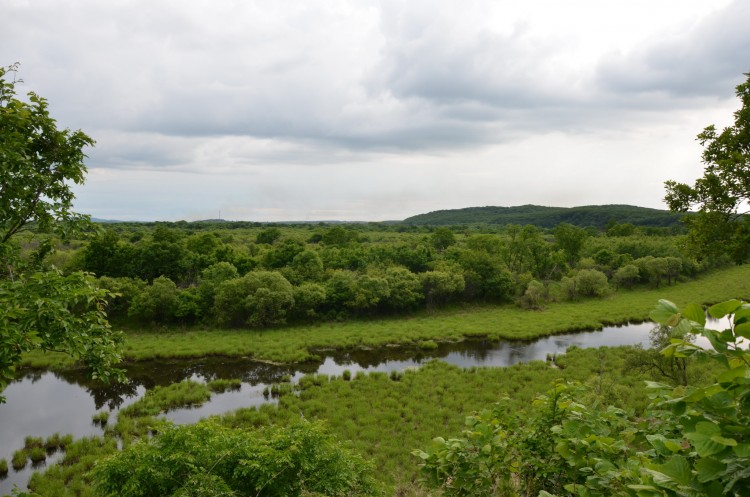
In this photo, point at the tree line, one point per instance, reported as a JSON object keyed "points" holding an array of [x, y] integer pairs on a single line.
{"points": [[270, 275]]}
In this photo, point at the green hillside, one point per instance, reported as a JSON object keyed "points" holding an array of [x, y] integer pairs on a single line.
{"points": [[547, 217]]}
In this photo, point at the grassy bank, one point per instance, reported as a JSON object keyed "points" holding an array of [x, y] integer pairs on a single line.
{"points": [[293, 344]]}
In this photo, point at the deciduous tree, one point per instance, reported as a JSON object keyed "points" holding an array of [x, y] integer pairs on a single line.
{"points": [[41, 308], [721, 196]]}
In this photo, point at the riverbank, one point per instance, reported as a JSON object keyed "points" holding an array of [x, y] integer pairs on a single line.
{"points": [[294, 344]]}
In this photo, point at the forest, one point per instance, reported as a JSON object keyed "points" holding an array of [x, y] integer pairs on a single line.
{"points": [[204, 274]]}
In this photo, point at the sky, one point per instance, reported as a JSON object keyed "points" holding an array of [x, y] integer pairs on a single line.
{"points": [[364, 110]]}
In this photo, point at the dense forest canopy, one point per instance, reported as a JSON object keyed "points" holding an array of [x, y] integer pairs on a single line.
{"points": [[598, 216]]}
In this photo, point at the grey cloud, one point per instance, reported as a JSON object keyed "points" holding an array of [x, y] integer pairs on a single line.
{"points": [[706, 60]]}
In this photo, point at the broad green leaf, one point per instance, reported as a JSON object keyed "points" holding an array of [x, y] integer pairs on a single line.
{"points": [[656, 384], [723, 308], [703, 439], [676, 472], [742, 314], [685, 326], [695, 312], [742, 330], [665, 312], [729, 442], [709, 469], [728, 376], [742, 450]]}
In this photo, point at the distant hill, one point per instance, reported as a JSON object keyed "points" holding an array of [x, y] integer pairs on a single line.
{"points": [[548, 217]]}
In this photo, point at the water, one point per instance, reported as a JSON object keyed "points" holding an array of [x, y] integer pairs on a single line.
{"points": [[42, 403]]}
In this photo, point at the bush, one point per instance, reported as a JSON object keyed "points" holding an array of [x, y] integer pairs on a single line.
{"points": [[690, 441], [212, 460]]}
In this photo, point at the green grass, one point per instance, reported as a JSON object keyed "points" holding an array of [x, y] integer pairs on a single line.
{"points": [[222, 385], [382, 417], [294, 344], [20, 457], [100, 418]]}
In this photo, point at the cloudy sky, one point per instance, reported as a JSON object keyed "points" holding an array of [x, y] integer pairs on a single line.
{"points": [[376, 110]]}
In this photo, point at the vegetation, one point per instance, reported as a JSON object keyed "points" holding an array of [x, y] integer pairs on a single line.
{"points": [[690, 441], [222, 275], [721, 226], [297, 344], [40, 307], [597, 216], [378, 416], [212, 460]]}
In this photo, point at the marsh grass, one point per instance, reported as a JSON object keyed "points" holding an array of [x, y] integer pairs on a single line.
{"points": [[37, 455], [222, 385], [383, 416], [162, 399], [19, 459], [3, 468], [100, 418]]}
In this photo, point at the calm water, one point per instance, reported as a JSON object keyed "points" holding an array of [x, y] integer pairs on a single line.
{"points": [[42, 403]]}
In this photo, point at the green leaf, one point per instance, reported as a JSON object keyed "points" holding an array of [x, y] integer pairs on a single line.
{"points": [[695, 312], [742, 330], [742, 450], [675, 473], [709, 469], [703, 439], [666, 313], [732, 374], [742, 314], [721, 309]]}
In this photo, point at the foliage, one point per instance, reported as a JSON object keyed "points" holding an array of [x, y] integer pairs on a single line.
{"points": [[37, 163], [41, 308], [495, 264], [294, 343], [548, 217], [724, 190], [260, 298], [692, 441], [586, 283], [208, 459], [442, 238]]}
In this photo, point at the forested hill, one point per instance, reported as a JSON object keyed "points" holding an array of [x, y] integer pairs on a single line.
{"points": [[547, 217]]}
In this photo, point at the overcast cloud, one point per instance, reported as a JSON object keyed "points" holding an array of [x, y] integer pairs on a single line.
{"points": [[374, 110]]}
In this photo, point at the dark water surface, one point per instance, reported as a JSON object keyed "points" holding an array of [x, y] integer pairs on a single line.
{"points": [[42, 403]]}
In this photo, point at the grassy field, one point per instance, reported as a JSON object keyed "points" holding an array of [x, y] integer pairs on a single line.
{"points": [[294, 344]]}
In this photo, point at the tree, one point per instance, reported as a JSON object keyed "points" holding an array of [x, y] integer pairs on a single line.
{"points": [[258, 299], [720, 227], [157, 303], [442, 238], [211, 460], [268, 236], [41, 308], [570, 239]]}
